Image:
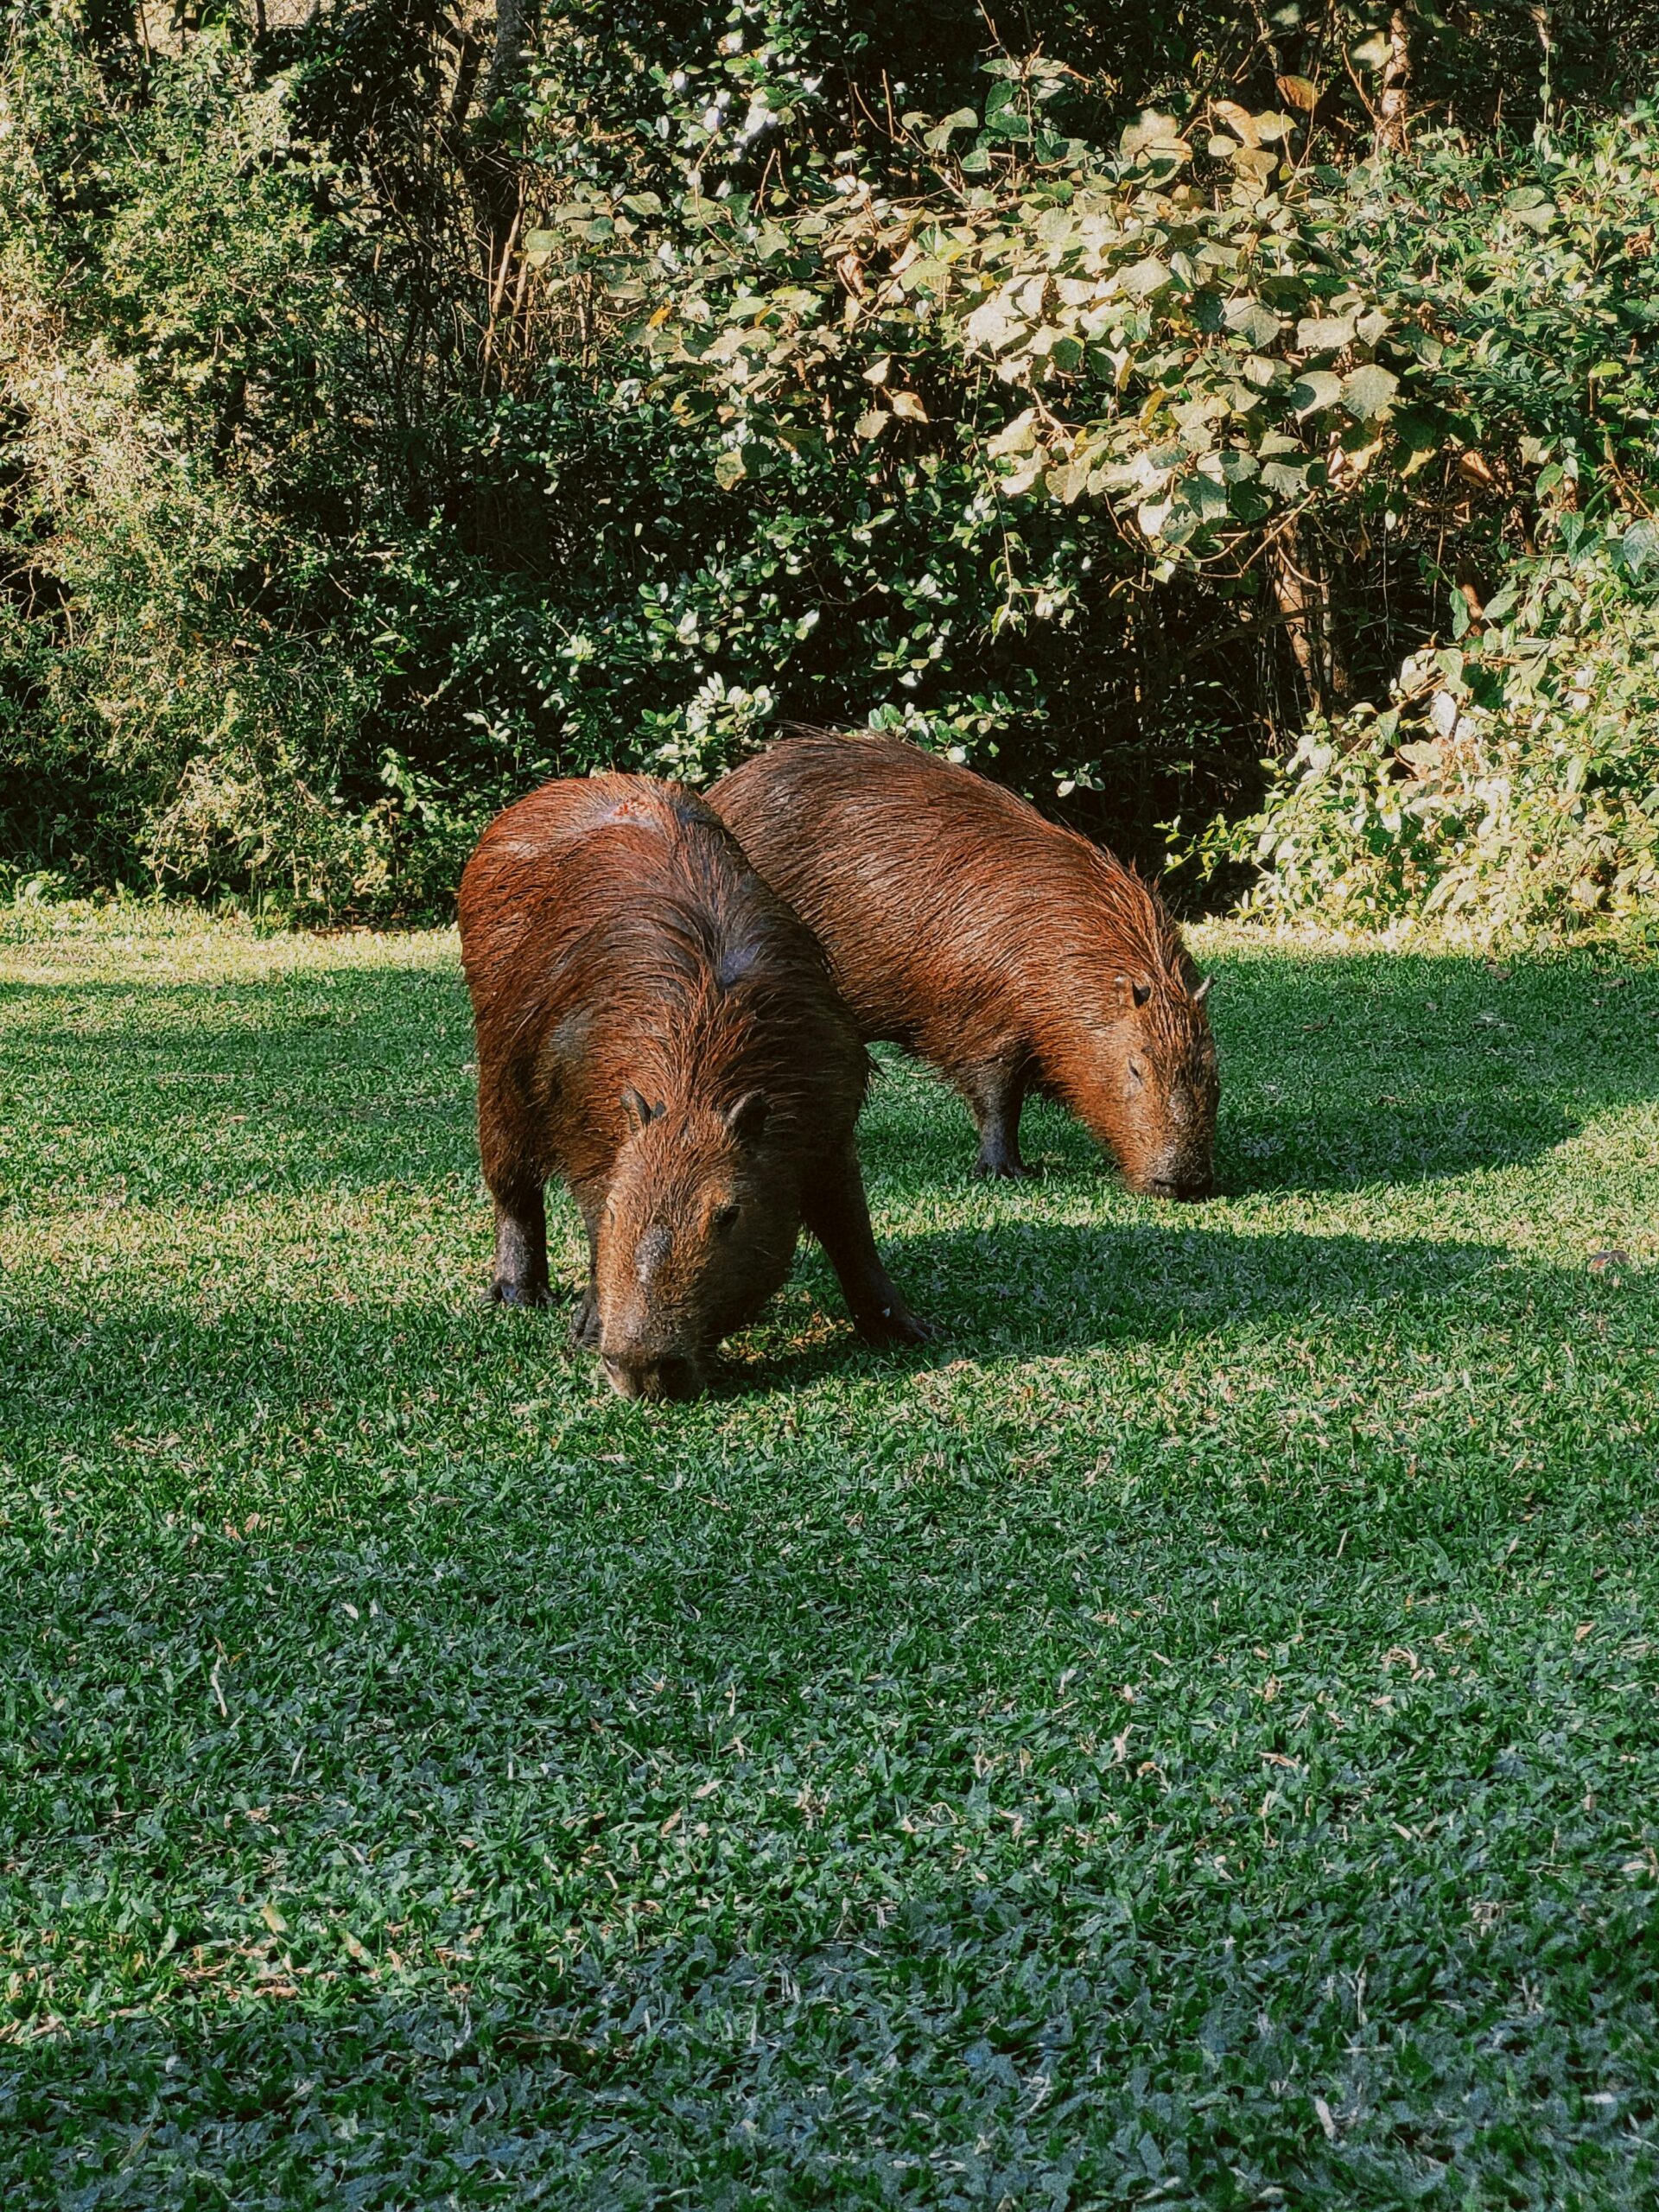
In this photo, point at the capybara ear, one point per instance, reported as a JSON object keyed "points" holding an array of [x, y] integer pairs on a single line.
{"points": [[636, 1109], [1202, 990], [748, 1117], [1128, 992]]}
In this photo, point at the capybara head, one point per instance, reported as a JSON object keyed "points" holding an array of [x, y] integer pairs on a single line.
{"points": [[697, 1233], [1154, 1090]]}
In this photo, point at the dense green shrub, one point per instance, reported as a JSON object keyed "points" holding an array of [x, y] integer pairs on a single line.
{"points": [[1510, 791]]}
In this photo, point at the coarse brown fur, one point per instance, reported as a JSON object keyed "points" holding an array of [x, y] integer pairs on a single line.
{"points": [[658, 1029], [1012, 955]]}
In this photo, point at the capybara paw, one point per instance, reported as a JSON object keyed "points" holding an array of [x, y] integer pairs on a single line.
{"points": [[585, 1326], [897, 1325], [1005, 1171], [505, 1293]]}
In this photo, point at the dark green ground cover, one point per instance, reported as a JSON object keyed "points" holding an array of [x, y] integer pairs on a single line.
{"points": [[1190, 1737]]}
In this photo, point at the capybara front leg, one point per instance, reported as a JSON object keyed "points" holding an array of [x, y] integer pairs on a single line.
{"points": [[519, 1275], [995, 1091], [585, 1328], [838, 1214]]}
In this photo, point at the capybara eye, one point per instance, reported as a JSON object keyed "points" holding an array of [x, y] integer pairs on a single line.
{"points": [[1137, 1075], [725, 1218]]}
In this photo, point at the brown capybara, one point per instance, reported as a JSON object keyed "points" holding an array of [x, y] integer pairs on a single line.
{"points": [[1011, 954], [657, 1028]]}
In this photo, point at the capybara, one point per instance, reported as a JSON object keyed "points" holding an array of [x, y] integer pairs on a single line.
{"points": [[1012, 955], [655, 1027]]}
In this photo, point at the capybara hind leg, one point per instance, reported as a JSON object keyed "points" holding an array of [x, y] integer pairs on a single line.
{"points": [[519, 1276], [995, 1091], [838, 1216]]}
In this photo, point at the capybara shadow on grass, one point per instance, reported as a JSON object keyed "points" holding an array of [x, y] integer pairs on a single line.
{"points": [[658, 1029], [1012, 955]]}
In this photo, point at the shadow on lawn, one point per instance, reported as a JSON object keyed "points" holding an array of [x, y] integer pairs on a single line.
{"points": [[1022, 1289], [1258, 1149], [1027, 1288]]}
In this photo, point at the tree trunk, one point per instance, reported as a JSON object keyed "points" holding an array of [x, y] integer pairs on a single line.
{"points": [[1393, 106], [508, 60], [1297, 600]]}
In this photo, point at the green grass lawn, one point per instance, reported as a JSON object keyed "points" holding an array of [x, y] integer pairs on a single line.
{"points": [[1190, 1737]]}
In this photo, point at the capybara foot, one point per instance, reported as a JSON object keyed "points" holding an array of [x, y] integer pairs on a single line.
{"points": [[507, 1293], [584, 1323], [1003, 1169], [896, 1325]]}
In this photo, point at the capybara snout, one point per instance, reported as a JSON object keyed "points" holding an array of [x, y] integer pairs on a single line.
{"points": [[695, 1234], [1161, 1062], [665, 1375]]}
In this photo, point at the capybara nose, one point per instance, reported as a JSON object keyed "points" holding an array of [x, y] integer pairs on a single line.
{"points": [[1186, 1187], [664, 1375]]}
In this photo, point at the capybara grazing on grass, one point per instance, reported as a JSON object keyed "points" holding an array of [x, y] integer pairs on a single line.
{"points": [[657, 1028], [1011, 954]]}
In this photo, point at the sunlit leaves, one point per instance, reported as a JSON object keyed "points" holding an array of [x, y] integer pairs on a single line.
{"points": [[1161, 325], [1512, 787], [1315, 389], [1369, 392]]}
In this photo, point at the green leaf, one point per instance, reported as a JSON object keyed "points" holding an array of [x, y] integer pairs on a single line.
{"points": [[1285, 479], [1368, 392], [1257, 324], [965, 118], [1324, 334], [1018, 436], [729, 470], [1313, 390], [1145, 278], [991, 324], [1204, 497]]}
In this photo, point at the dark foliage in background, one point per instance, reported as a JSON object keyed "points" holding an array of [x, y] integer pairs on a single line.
{"points": [[402, 403]]}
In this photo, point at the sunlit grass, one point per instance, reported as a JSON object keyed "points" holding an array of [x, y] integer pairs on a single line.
{"points": [[1189, 1736]]}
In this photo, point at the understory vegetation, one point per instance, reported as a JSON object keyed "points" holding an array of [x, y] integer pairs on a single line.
{"points": [[1233, 429], [1199, 1748]]}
